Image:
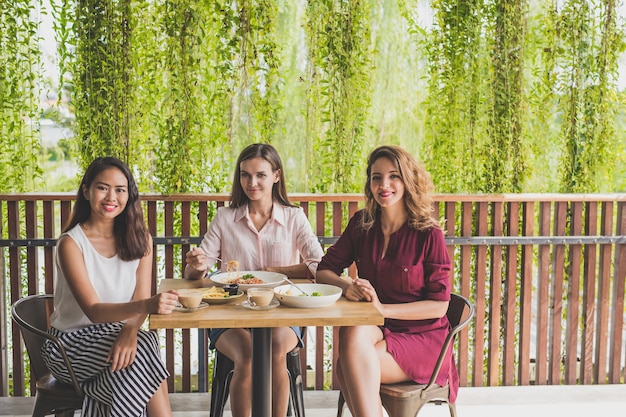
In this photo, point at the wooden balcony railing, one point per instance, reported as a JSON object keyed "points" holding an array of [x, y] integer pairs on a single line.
{"points": [[546, 273]]}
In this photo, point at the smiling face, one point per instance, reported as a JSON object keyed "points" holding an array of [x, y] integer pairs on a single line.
{"points": [[386, 182], [257, 178], [108, 193]]}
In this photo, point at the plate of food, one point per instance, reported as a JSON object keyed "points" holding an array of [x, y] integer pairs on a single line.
{"points": [[249, 279], [219, 295], [315, 295]]}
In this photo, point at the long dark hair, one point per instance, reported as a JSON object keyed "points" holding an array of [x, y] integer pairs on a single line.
{"points": [[129, 228], [418, 188], [238, 197]]}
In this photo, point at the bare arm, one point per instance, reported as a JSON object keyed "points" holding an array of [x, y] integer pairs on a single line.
{"points": [[72, 263], [417, 310], [124, 350], [346, 284], [292, 271]]}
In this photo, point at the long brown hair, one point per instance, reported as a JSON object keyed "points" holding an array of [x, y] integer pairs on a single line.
{"points": [[238, 197], [418, 188], [129, 228]]}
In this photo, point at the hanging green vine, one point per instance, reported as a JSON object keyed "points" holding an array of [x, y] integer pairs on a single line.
{"points": [[178, 131], [458, 97], [339, 45], [103, 92], [591, 61], [255, 59], [542, 123], [505, 162], [20, 168], [217, 73]]}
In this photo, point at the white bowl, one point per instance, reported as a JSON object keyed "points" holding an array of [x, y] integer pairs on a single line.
{"points": [[270, 279], [293, 297]]}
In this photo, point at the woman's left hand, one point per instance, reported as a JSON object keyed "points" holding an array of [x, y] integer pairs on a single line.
{"points": [[124, 349], [368, 292]]}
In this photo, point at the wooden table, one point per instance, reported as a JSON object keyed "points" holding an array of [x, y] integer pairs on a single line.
{"points": [[234, 315]]}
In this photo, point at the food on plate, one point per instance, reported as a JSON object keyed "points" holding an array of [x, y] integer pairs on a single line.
{"points": [[215, 292], [313, 294], [319, 295], [246, 279], [232, 266]]}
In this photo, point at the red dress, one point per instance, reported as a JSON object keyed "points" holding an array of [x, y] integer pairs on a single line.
{"points": [[416, 267]]}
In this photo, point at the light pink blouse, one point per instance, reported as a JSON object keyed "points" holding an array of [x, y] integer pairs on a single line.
{"points": [[286, 239]]}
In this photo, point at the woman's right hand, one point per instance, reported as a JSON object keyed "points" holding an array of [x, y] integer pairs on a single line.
{"points": [[164, 302], [197, 259]]}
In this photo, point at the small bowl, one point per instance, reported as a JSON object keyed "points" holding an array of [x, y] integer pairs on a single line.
{"points": [[231, 289], [322, 295]]}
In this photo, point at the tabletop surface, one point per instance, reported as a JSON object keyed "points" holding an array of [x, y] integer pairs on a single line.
{"points": [[234, 315]]}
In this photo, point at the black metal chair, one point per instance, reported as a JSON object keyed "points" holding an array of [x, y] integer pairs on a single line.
{"points": [[223, 372], [52, 396], [405, 399]]}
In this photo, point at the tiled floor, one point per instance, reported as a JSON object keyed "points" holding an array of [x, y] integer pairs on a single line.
{"points": [[533, 401]]}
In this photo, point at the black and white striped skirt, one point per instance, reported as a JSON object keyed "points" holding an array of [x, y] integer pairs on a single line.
{"points": [[123, 393]]}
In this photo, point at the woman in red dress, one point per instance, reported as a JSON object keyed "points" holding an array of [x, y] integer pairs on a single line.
{"points": [[404, 269]]}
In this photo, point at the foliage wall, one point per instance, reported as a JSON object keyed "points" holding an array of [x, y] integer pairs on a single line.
{"points": [[493, 95], [19, 69]]}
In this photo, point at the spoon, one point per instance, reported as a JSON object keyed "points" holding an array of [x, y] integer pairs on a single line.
{"points": [[296, 285]]}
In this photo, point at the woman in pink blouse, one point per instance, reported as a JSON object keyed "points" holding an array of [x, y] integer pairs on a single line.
{"points": [[403, 268], [261, 230]]}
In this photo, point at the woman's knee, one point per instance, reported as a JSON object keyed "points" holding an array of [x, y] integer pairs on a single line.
{"points": [[235, 346], [356, 337], [242, 358], [284, 340]]}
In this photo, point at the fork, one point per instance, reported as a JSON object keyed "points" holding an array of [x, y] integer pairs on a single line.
{"points": [[297, 286]]}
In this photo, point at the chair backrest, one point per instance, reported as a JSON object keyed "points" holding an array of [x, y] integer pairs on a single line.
{"points": [[458, 305], [31, 313], [460, 312]]}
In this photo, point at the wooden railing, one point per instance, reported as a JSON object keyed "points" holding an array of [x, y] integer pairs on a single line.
{"points": [[546, 273]]}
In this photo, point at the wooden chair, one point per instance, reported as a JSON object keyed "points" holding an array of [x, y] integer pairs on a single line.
{"points": [[405, 399], [223, 372], [52, 396]]}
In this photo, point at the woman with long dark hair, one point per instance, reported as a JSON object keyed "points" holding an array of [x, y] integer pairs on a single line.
{"points": [[102, 296]]}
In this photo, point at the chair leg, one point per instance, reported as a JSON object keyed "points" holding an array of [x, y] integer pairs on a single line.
{"points": [[203, 359], [295, 382], [222, 374], [452, 408], [220, 386], [340, 403]]}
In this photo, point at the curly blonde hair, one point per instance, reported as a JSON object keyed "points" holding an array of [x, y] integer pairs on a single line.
{"points": [[418, 188]]}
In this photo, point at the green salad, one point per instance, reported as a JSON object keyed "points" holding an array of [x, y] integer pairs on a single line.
{"points": [[313, 294]]}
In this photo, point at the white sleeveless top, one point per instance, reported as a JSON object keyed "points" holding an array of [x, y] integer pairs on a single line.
{"points": [[113, 280]]}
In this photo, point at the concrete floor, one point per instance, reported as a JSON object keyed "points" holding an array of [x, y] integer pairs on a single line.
{"points": [[533, 401]]}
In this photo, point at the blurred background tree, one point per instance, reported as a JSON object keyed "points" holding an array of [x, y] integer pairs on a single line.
{"points": [[493, 95]]}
